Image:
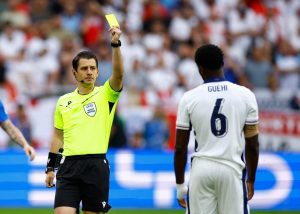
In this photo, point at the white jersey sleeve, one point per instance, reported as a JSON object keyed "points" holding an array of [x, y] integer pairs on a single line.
{"points": [[252, 116], [183, 119]]}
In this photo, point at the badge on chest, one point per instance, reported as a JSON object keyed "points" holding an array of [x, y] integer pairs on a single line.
{"points": [[90, 109]]}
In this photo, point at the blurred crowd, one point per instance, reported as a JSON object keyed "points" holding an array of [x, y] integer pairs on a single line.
{"points": [[38, 39]]}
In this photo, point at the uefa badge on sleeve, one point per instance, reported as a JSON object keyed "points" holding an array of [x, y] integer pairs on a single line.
{"points": [[90, 109]]}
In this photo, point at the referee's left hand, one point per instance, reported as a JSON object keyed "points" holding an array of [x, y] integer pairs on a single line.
{"points": [[115, 34]]}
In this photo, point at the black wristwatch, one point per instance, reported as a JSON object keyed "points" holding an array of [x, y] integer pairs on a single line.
{"points": [[49, 169], [116, 45]]}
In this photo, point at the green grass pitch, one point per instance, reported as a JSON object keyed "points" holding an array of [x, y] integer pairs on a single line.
{"points": [[128, 211]]}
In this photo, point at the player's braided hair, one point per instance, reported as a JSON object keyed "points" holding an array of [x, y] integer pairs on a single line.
{"points": [[209, 56]]}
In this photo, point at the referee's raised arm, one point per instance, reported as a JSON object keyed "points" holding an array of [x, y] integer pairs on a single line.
{"points": [[116, 79]]}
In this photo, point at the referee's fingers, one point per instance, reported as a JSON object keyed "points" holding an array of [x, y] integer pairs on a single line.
{"points": [[182, 203], [49, 180]]}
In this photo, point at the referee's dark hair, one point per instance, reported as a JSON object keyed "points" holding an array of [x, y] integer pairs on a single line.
{"points": [[83, 55], [210, 57]]}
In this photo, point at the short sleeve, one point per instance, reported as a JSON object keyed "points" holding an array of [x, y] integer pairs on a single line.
{"points": [[3, 114], [58, 121], [183, 119], [252, 109], [111, 95]]}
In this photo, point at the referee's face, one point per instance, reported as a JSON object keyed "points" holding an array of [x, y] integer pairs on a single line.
{"points": [[87, 71]]}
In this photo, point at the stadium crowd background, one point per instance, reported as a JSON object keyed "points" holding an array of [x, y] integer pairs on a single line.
{"points": [[39, 38]]}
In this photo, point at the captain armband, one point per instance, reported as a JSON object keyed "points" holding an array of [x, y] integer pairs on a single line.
{"points": [[251, 130]]}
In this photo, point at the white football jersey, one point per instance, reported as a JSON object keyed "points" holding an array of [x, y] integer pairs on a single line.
{"points": [[218, 111]]}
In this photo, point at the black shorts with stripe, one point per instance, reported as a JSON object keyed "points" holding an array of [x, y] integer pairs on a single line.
{"points": [[83, 178]]}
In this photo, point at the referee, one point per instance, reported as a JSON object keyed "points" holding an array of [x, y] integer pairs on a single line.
{"points": [[83, 120]]}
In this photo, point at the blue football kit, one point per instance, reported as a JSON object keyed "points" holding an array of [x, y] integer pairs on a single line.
{"points": [[3, 114]]}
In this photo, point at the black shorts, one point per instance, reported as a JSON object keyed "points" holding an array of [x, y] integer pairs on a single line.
{"points": [[83, 178]]}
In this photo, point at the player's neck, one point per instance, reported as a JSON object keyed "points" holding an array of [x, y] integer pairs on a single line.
{"points": [[83, 90], [218, 74]]}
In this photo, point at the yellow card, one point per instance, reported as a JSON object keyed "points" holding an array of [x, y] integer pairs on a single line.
{"points": [[112, 20]]}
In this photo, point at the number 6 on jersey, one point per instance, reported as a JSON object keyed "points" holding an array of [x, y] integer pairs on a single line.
{"points": [[218, 121]]}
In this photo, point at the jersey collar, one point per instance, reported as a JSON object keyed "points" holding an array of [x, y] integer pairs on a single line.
{"points": [[215, 79], [77, 92]]}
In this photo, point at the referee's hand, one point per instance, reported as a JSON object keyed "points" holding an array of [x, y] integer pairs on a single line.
{"points": [[49, 179], [115, 34], [181, 194]]}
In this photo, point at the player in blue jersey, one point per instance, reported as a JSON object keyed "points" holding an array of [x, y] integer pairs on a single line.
{"points": [[14, 133], [224, 117]]}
